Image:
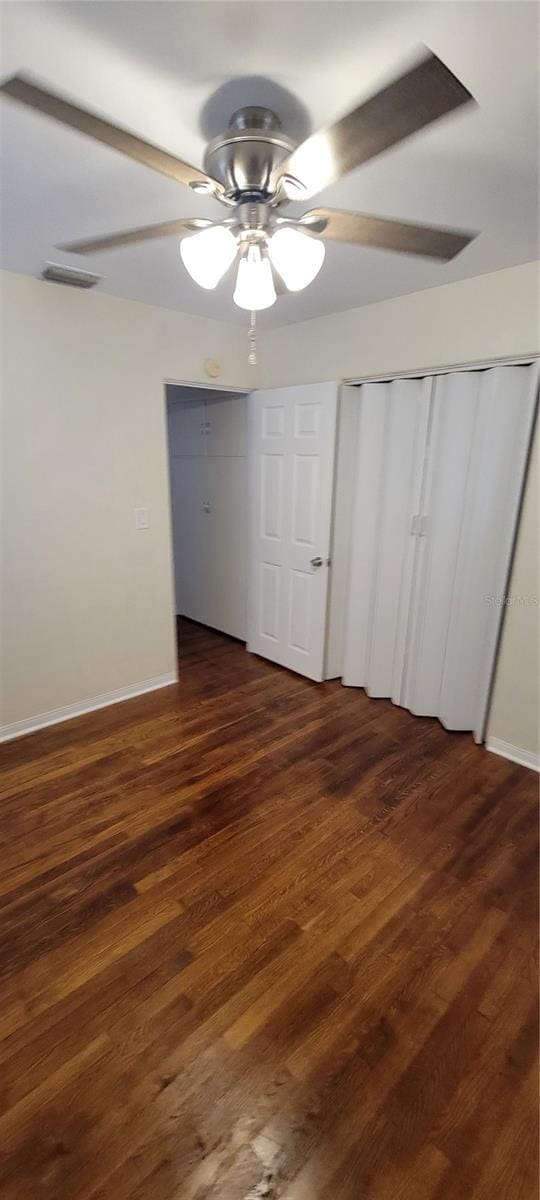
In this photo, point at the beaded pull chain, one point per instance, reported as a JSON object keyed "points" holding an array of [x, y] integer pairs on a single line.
{"points": [[252, 339]]}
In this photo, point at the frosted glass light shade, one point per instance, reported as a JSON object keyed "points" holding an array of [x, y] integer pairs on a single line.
{"points": [[297, 256], [254, 283], [208, 254]]}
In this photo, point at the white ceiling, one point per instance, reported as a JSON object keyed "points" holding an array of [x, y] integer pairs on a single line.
{"points": [[169, 70]]}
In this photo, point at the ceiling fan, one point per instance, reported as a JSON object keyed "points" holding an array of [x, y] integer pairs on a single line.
{"points": [[255, 170]]}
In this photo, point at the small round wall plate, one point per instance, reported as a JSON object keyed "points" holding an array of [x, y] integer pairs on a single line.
{"points": [[212, 368]]}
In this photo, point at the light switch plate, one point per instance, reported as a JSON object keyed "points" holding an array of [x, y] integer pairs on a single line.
{"points": [[142, 518]]}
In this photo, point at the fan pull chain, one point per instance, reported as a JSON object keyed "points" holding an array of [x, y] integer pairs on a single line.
{"points": [[252, 339]]}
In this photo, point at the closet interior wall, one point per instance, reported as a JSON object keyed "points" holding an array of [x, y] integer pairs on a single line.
{"points": [[208, 478]]}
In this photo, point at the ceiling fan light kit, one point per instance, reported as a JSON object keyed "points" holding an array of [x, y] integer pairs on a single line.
{"points": [[255, 171], [254, 283], [207, 255], [297, 256]]}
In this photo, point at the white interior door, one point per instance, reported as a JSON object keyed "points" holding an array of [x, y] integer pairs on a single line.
{"points": [[291, 469]]}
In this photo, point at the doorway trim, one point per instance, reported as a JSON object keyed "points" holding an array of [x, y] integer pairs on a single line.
{"points": [[520, 360]]}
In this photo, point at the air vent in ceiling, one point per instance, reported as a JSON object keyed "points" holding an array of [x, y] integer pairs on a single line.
{"points": [[70, 276]]}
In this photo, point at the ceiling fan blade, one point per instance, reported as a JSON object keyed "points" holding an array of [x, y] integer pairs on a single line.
{"points": [[423, 94], [23, 89], [109, 241], [358, 228]]}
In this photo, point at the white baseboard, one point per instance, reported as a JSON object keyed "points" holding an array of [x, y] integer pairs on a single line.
{"points": [[525, 758], [55, 715]]}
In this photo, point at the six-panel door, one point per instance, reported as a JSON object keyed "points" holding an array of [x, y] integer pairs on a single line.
{"points": [[291, 468]]}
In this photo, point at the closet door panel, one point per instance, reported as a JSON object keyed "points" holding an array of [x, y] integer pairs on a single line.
{"points": [[189, 491], [227, 426], [361, 586], [225, 536], [186, 429], [209, 502], [452, 426], [404, 445], [505, 413], [391, 440]]}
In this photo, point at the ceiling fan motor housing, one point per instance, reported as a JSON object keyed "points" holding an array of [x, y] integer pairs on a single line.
{"points": [[244, 158]]}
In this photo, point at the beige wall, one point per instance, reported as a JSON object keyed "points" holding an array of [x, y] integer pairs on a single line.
{"points": [[514, 711], [488, 317], [87, 601]]}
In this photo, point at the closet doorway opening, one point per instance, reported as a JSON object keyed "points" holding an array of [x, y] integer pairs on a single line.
{"points": [[207, 442]]}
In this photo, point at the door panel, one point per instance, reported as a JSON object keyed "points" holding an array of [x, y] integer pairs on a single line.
{"points": [[480, 433], [226, 426], [291, 464], [454, 417], [272, 497], [391, 440], [305, 485], [189, 490], [187, 429], [225, 545], [301, 603], [269, 600], [505, 414]]}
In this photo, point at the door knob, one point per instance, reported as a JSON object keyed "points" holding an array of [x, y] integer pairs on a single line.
{"points": [[316, 562]]}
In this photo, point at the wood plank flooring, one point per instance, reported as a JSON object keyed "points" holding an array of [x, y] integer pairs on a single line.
{"points": [[265, 938]]}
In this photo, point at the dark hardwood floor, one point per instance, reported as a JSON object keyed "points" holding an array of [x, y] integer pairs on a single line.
{"points": [[265, 938]]}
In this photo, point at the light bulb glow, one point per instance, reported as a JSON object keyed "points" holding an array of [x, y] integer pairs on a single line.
{"points": [[297, 256], [314, 165], [207, 255], [254, 283]]}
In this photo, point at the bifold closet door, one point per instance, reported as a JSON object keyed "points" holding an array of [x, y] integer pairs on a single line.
{"points": [[440, 470], [392, 430], [480, 433]]}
